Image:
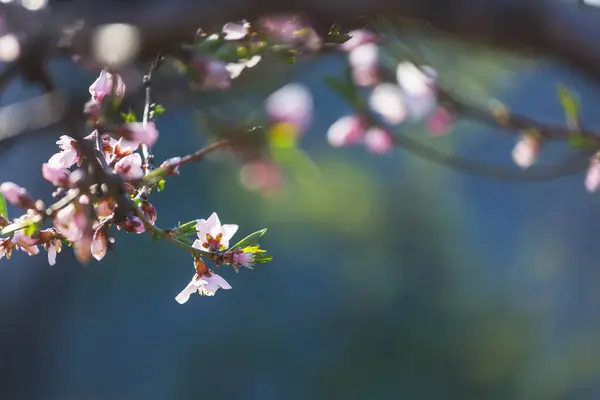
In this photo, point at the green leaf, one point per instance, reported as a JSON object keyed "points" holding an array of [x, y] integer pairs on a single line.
{"points": [[30, 229], [161, 185], [129, 117], [250, 240], [570, 105], [261, 258], [3, 208], [579, 141], [157, 111]]}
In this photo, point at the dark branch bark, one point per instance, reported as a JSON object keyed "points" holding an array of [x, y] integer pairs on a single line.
{"points": [[556, 28]]}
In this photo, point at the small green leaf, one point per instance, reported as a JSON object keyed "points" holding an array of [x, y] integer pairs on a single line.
{"points": [[3, 208], [570, 105], [579, 141], [261, 258], [161, 185], [250, 240], [129, 117], [157, 111], [30, 229]]}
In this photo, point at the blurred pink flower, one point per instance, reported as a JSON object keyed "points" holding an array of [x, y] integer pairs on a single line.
{"points": [[16, 195], [213, 74], [359, 37], [142, 134], [378, 141], [387, 100], [592, 178], [262, 176], [104, 86], [347, 130], [130, 166], [292, 104], [56, 176], [439, 121], [236, 30], [364, 63], [68, 154], [526, 151], [99, 245], [53, 247]]}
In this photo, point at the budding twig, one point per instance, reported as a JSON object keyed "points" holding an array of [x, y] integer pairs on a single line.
{"points": [[157, 232]]}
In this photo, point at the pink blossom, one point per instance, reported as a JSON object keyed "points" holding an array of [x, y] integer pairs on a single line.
{"points": [[387, 99], [99, 245], [6, 247], [262, 176], [68, 156], [124, 147], [16, 195], [25, 243], [205, 285], [243, 259], [83, 248], [526, 151], [53, 247], [144, 134], [290, 29], [149, 210], [212, 236], [214, 75], [104, 208], [54, 175], [172, 165], [130, 166], [364, 62], [132, 225], [358, 38], [104, 86], [71, 222], [439, 121], [346, 130], [236, 31], [418, 85], [378, 141], [292, 104], [592, 178], [235, 69]]}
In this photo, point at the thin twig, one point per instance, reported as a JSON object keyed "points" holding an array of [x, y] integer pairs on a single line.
{"points": [[146, 151], [155, 231], [200, 154]]}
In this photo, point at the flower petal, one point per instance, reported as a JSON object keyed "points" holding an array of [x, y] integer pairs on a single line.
{"points": [[213, 224], [228, 231]]}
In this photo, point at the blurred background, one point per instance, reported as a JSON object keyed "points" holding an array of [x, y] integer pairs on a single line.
{"points": [[392, 277]]}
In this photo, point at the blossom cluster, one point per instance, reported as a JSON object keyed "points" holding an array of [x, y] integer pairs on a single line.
{"points": [[87, 207], [104, 180]]}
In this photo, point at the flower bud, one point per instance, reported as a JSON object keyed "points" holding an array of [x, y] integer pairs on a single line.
{"points": [[140, 133], [213, 75], [16, 195], [387, 100], [54, 175], [104, 86], [378, 141], [439, 121], [345, 131], [592, 178], [99, 245], [359, 37], [526, 151]]}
